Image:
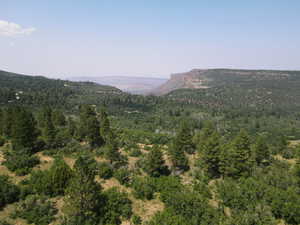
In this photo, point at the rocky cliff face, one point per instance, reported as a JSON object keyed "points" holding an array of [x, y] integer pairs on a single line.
{"points": [[194, 79]]}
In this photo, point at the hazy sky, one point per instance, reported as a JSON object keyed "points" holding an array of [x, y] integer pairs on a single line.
{"points": [[63, 38]]}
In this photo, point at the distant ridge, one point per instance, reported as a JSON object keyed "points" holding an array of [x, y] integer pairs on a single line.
{"points": [[207, 78]]}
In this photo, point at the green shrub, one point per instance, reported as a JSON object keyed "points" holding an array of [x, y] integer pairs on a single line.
{"points": [[9, 192], [117, 206], [136, 220], [123, 175], [36, 209], [135, 152], [51, 182], [20, 163], [104, 170], [144, 188]]}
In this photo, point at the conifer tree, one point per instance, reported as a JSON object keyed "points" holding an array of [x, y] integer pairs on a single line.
{"points": [[89, 129], [59, 176], [8, 122], [184, 138], [83, 201], [261, 151], [154, 164], [211, 149], [49, 131], [204, 134], [105, 125], [237, 160], [24, 134], [177, 156], [58, 118], [111, 151]]}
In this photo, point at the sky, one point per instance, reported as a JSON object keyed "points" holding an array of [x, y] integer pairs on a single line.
{"points": [[67, 38]]}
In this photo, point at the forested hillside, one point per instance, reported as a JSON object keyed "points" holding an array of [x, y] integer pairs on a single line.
{"points": [[17, 89], [75, 153]]}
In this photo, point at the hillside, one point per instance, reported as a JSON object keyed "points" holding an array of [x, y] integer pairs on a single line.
{"points": [[203, 79], [38, 90]]}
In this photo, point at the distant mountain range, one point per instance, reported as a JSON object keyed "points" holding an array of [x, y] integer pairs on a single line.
{"points": [[133, 85]]}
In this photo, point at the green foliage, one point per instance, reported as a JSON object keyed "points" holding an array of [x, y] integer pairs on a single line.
{"points": [[36, 209], [211, 155], [89, 128], [184, 138], [9, 192], [123, 175], [105, 170], [237, 159], [261, 151], [51, 182], [117, 206], [24, 132], [83, 201], [136, 220], [154, 164], [20, 163], [49, 131], [135, 152], [178, 158], [168, 217], [144, 188]]}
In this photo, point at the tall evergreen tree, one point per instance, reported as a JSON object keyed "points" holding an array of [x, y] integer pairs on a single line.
{"points": [[237, 160], [8, 121], [154, 164], [89, 129], [184, 138], [49, 130], [83, 202], [111, 150], [211, 153], [105, 125], [200, 138], [177, 156], [261, 151], [24, 134]]}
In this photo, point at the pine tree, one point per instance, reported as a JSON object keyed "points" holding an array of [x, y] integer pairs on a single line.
{"points": [[184, 138], [89, 129], [72, 128], [58, 118], [207, 131], [154, 164], [49, 131], [211, 149], [111, 151], [59, 176], [237, 160], [261, 151], [105, 125], [83, 201], [8, 122], [24, 133], [177, 156]]}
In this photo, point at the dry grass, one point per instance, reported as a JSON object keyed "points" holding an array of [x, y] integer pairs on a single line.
{"points": [[5, 215], [146, 209], [291, 161], [70, 161], [294, 143]]}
